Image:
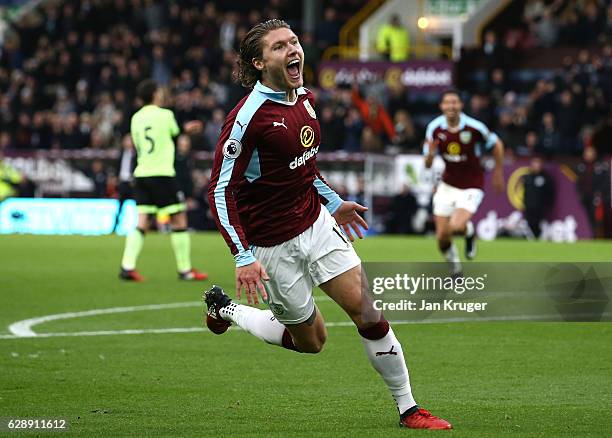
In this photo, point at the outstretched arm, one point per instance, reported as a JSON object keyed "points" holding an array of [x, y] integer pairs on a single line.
{"points": [[346, 213], [347, 216]]}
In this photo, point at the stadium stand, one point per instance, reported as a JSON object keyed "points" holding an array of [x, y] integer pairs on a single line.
{"points": [[68, 70]]}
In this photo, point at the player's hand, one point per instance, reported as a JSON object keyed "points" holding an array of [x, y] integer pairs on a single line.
{"points": [[348, 218], [250, 279], [498, 180], [193, 127]]}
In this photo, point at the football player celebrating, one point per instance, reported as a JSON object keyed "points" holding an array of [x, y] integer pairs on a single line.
{"points": [[460, 140], [266, 195]]}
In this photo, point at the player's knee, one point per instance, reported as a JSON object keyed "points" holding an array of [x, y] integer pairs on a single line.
{"points": [[457, 226], [178, 220], [312, 346]]}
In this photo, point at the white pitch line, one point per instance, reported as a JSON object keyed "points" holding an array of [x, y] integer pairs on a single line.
{"points": [[122, 332], [23, 329]]}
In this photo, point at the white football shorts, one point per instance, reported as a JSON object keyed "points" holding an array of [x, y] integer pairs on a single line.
{"points": [[297, 266], [448, 198]]}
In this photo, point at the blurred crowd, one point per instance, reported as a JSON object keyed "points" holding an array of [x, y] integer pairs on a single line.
{"points": [[68, 69], [570, 22], [559, 115]]}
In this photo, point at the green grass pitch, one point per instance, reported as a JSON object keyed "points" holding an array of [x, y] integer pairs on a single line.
{"points": [[488, 379]]}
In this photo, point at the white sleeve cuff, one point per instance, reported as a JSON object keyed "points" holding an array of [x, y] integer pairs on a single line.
{"points": [[244, 258]]}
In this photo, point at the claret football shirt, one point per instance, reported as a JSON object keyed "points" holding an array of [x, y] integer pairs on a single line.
{"points": [[461, 149], [265, 188]]}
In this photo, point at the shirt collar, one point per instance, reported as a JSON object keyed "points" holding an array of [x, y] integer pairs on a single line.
{"points": [[462, 121], [277, 96]]}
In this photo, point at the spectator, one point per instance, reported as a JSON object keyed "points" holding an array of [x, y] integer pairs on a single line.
{"points": [[332, 129], [542, 100], [393, 40], [498, 86], [70, 137], [161, 72], [550, 140], [530, 146], [546, 29], [494, 53], [401, 212], [508, 132], [569, 27], [374, 115], [567, 121], [539, 195], [370, 142], [153, 14], [227, 31], [353, 126], [41, 133], [593, 185], [213, 129], [22, 133], [594, 19], [99, 177], [397, 99], [405, 137], [328, 29], [312, 54], [478, 107], [520, 119], [104, 118], [533, 11]]}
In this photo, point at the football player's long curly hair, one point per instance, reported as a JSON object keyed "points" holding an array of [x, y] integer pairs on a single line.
{"points": [[251, 48]]}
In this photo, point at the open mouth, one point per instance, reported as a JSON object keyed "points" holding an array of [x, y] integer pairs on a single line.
{"points": [[293, 68]]}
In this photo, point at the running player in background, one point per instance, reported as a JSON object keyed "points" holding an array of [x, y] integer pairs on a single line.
{"points": [[266, 195], [460, 140], [156, 190]]}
